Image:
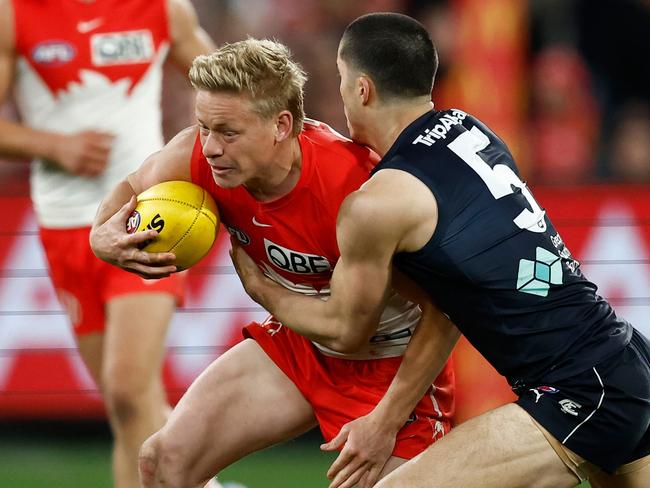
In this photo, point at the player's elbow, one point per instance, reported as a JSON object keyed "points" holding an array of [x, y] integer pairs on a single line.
{"points": [[343, 346], [348, 341]]}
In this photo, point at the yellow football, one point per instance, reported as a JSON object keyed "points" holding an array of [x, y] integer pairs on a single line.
{"points": [[185, 217]]}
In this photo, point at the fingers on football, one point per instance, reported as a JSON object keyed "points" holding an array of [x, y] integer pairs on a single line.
{"points": [[151, 272], [153, 259], [139, 238]]}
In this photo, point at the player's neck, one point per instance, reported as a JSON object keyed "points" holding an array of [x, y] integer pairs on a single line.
{"points": [[391, 119], [281, 177]]}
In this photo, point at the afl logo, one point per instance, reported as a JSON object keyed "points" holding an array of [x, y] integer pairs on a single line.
{"points": [[53, 53], [133, 223]]}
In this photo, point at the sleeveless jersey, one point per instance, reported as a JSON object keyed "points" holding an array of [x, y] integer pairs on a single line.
{"points": [[89, 65], [293, 238], [495, 263]]}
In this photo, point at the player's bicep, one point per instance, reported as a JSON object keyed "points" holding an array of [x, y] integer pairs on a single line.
{"points": [[362, 276]]}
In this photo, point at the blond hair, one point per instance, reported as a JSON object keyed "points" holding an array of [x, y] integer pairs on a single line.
{"points": [[262, 69]]}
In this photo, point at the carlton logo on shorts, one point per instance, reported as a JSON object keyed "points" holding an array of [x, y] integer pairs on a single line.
{"points": [[569, 406], [294, 261], [129, 47], [53, 53]]}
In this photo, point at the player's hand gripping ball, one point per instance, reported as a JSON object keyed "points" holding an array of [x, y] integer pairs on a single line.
{"points": [[185, 217]]}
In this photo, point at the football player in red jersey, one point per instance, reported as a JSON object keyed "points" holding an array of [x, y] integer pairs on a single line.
{"points": [[278, 181], [88, 90]]}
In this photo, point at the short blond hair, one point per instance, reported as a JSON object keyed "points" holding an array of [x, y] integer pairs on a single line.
{"points": [[262, 69]]}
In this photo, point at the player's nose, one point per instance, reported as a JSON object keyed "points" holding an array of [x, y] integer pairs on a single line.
{"points": [[212, 148]]}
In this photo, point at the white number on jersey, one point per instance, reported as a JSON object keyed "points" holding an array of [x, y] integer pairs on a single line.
{"points": [[499, 179]]}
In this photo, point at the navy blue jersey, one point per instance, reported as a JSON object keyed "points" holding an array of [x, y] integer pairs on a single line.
{"points": [[495, 264]]}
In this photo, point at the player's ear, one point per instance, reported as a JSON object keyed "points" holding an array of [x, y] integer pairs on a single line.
{"points": [[365, 87], [283, 126]]}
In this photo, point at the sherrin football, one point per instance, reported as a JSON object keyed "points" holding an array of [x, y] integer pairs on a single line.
{"points": [[185, 217]]}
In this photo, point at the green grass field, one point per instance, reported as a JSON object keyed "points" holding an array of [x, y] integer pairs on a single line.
{"points": [[74, 456], [36, 455]]}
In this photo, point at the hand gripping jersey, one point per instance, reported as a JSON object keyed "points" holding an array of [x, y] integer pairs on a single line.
{"points": [[294, 237], [89, 65], [495, 263]]}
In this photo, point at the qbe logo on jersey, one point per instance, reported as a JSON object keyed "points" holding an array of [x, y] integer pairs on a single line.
{"points": [[294, 261], [129, 47]]}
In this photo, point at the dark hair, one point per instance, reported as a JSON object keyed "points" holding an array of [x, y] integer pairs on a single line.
{"points": [[394, 50]]}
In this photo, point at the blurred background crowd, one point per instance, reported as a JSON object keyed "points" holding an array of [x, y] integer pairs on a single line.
{"points": [[565, 82]]}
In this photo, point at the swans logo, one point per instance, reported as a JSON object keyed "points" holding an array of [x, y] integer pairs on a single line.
{"points": [[53, 53]]}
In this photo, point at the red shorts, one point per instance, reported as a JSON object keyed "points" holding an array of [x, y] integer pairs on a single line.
{"points": [[84, 283], [341, 390]]}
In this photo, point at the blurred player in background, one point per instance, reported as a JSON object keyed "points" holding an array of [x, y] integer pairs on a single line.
{"points": [[278, 181], [87, 81], [446, 206]]}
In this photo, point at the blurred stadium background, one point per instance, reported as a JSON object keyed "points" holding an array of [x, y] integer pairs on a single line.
{"points": [[562, 81]]}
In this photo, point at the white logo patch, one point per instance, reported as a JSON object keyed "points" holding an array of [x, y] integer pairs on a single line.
{"points": [[570, 407], [131, 47]]}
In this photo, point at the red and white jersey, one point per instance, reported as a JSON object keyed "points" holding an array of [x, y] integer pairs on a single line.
{"points": [[89, 65], [293, 238]]}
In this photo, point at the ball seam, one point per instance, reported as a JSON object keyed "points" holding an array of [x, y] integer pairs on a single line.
{"points": [[196, 217]]}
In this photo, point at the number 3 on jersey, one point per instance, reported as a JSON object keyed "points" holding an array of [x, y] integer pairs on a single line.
{"points": [[499, 179]]}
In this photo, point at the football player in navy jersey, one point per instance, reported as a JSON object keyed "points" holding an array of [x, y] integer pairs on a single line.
{"points": [[446, 206]]}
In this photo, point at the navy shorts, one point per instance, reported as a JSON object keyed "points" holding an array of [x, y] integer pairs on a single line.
{"points": [[602, 414]]}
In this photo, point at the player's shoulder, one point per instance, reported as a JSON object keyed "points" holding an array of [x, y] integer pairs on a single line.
{"points": [[327, 143], [182, 144]]}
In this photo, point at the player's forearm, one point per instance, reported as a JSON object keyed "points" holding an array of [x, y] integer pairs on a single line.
{"points": [[311, 317], [17, 140], [112, 202], [434, 338]]}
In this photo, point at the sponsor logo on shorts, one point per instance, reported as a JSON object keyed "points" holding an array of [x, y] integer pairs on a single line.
{"points": [[540, 390], [570, 407], [271, 326], [294, 261], [53, 53], [133, 223], [241, 236], [131, 47]]}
